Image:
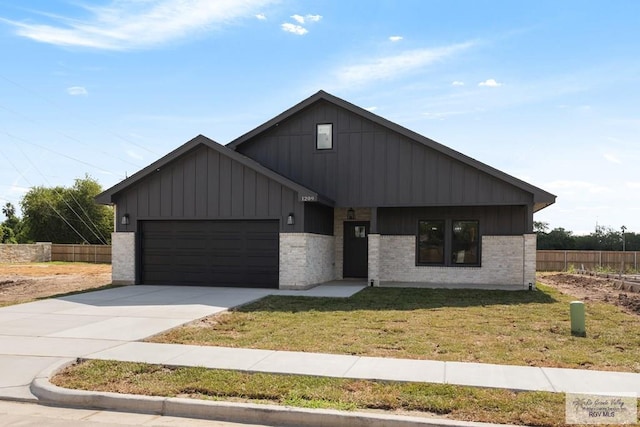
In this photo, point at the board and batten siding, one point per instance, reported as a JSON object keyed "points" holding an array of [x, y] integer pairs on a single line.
{"points": [[371, 165], [493, 220], [205, 184]]}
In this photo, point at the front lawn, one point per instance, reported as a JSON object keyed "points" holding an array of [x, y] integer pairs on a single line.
{"points": [[442, 400], [503, 327]]}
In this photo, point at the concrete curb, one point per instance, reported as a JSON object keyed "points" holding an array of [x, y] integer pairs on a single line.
{"points": [[247, 413]]}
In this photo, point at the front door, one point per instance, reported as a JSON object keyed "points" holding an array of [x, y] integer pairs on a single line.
{"points": [[356, 249]]}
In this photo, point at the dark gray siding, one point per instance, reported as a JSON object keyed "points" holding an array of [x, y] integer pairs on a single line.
{"points": [[318, 219], [371, 165], [494, 220], [204, 184]]}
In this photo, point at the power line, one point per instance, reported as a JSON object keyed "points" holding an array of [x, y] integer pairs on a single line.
{"points": [[59, 194], [22, 116], [30, 90], [49, 203], [58, 153]]}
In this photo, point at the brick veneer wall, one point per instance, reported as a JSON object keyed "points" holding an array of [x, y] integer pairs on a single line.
{"points": [[306, 259], [123, 258], [503, 263]]}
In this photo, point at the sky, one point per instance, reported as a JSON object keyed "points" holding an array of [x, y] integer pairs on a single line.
{"points": [[547, 91]]}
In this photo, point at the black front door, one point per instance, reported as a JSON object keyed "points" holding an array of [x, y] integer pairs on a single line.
{"points": [[356, 248]]}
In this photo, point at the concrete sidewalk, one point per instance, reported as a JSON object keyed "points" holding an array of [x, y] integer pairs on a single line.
{"points": [[376, 368]]}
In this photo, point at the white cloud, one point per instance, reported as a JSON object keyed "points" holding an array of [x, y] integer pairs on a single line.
{"points": [[77, 91], [395, 38], [134, 24], [372, 109], [490, 83], [573, 186], [612, 158], [299, 29], [457, 83], [389, 67], [18, 189], [133, 154], [261, 16], [442, 115], [633, 185], [295, 29]]}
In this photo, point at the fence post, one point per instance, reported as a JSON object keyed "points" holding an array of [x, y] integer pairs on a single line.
{"points": [[565, 260], [600, 259]]}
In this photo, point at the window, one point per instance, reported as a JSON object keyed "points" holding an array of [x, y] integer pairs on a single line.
{"points": [[464, 242], [324, 136], [448, 242], [431, 242]]}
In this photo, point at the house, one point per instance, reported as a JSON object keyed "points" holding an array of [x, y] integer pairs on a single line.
{"points": [[326, 190]]}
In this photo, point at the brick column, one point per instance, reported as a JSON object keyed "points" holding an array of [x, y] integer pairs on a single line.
{"points": [[374, 260], [529, 264], [123, 258]]}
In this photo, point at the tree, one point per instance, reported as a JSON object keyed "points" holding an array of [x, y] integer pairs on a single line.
{"points": [[540, 227], [66, 215], [602, 239], [558, 238], [10, 228]]}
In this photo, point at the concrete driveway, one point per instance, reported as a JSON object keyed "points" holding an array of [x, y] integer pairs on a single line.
{"points": [[36, 335]]}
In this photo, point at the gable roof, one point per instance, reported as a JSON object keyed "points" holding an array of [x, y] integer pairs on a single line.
{"points": [[108, 196], [541, 198]]}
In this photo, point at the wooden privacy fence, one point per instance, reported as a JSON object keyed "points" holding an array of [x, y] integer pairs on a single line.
{"points": [[587, 260], [99, 254]]}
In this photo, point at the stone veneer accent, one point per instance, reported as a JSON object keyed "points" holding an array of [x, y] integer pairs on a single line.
{"points": [[123, 258], [503, 263], [339, 217], [16, 253], [306, 259]]}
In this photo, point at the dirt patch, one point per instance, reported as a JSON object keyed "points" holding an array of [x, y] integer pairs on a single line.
{"points": [[24, 282], [589, 288]]}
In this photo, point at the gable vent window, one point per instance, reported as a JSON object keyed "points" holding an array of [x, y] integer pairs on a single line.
{"points": [[324, 136]]}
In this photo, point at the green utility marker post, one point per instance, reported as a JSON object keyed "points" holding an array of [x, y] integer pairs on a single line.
{"points": [[577, 319]]}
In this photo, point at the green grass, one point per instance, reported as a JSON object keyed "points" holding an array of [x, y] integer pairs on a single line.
{"points": [[456, 402], [505, 327]]}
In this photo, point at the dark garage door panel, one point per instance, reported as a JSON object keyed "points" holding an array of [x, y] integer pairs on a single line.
{"points": [[210, 253]]}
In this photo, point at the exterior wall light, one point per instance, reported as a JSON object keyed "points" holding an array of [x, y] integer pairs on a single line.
{"points": [[291, 219], [125, 219], [351, 214]]}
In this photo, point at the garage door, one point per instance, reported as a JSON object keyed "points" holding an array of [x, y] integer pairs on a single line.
{"points": [[210, 253]]}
